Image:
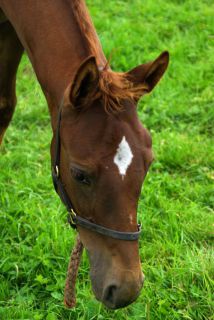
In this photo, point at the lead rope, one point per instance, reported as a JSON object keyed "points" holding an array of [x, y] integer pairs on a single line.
{"points": [[69, 293]]}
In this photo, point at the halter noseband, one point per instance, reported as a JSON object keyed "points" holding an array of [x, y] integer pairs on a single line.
{"points": [[73, 218]]}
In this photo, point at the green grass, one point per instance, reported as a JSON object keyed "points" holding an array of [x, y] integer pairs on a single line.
{"points": [[176, 205]]}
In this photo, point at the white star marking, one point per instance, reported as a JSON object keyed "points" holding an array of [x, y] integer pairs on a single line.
{"points": [[123, 157]]}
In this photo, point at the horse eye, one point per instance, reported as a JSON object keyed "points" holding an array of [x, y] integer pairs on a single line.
{"points": [[80, 176]]}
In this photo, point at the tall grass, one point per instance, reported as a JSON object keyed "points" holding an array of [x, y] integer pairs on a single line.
{"points": [[176, 205]]}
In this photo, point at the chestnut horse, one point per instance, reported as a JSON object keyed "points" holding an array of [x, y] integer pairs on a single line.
{"points": [[104, 152]]}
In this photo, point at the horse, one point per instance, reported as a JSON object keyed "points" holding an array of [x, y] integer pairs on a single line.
{"points": [[100, 151]]}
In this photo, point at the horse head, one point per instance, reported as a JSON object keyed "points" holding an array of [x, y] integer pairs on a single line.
{"points": [[104, 157]]}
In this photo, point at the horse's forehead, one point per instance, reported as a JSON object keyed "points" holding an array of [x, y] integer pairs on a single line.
{"points": [[107, 140], [116, 150], [112, 137]]}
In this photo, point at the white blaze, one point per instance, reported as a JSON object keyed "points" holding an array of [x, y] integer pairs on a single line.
{"points": [[123, 157]]}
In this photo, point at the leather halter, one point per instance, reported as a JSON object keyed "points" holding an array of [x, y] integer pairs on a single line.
{"points": [[74, 219]]}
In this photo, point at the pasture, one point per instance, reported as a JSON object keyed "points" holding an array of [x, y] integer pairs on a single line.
{"points": [[176, 204]]}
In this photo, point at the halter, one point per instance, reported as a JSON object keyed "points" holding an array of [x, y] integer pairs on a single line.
{"points": [[74, 219]]}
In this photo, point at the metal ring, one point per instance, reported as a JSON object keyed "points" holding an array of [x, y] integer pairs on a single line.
{"points": [[73, 214]]}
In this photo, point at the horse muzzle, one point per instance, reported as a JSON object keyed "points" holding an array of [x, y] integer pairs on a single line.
{"points": [[117, 288], [119, 295]]}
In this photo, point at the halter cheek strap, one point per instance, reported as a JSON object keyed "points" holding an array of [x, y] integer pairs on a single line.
{"points": [[73, 218]]}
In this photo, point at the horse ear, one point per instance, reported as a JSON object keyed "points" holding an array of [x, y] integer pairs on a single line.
{"points": [[85, 83], [148, 75]]}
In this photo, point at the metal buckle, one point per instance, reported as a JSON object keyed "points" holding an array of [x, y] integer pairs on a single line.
{"points": [[71, 217], [73, 214]]}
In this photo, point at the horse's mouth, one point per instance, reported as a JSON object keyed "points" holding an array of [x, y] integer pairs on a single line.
{"points": [[115, 295]]}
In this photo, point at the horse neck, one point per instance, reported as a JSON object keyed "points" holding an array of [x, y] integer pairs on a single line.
{"points": [[54, 41]]}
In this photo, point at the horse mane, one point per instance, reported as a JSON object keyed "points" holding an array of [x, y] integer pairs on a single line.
{"points": [[114, 86]]}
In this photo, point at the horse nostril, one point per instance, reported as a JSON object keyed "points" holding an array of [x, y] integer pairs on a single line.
{"points": [[110, 294]]}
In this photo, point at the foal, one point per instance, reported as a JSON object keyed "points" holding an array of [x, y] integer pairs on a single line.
{"points": [[105, 152]]}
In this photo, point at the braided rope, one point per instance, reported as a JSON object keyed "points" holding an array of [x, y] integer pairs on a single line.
{"points": [[69, 293]]}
